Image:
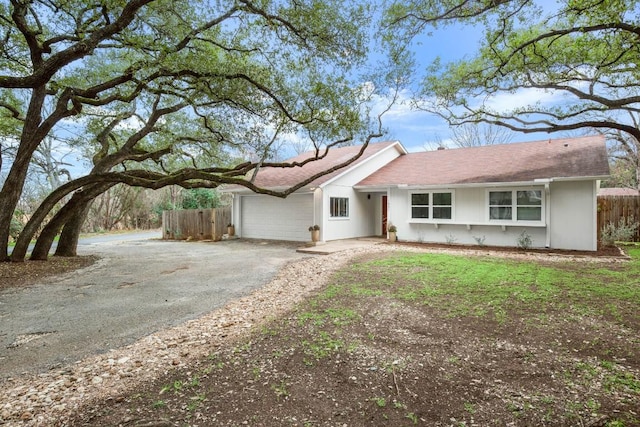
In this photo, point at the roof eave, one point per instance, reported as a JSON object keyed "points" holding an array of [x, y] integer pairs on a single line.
{"points": [[574, 178], [396, 144], [245, 190], [537, 181]]}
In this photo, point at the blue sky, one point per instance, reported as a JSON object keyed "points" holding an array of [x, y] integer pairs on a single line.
{"points": [[417, 129]]}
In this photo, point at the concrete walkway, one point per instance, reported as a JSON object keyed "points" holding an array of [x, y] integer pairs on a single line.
{"points": [[326, 248]]}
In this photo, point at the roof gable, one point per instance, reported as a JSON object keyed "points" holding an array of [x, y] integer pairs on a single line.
{"points": [[504, 163], [287, 177]]}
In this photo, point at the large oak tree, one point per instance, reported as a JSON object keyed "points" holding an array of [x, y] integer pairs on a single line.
{"points": [[565, 66], [164, 92]]}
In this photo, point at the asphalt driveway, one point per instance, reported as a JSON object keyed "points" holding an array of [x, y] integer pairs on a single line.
{"points": [[138, 287]]}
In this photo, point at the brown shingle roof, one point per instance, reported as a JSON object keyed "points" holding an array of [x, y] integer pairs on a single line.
{"points": [[287, 177], [516, 162]]}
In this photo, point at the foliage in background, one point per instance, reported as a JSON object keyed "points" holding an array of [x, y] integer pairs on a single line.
{"points": [[16, 226], [195, 94], [624, 155], [623, 231], [573, 64], [200, 198]]}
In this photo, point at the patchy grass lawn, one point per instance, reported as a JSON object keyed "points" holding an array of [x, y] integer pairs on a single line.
{"points": [[402, 339]]}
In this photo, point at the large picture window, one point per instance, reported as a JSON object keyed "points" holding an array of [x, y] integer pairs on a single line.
{"points": [[339, 207], [432, 205], [515, 205]]}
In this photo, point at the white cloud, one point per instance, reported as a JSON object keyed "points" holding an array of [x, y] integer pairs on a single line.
{"points": [[505, 102], [414, 128]]}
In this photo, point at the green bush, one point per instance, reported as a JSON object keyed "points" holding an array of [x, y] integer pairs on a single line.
{"points": [[524, 240], [200, 198], [162, 206], [623, 231], [15, 228]]}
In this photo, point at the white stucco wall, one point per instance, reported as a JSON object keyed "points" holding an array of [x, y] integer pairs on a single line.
{"points": [[289, 219], [571, 216], [573, 223], [364, 208], [361, 218], [470, 222]]}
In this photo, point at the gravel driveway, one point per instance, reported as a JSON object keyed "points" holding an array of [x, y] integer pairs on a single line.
{"points": [[138, 287]]}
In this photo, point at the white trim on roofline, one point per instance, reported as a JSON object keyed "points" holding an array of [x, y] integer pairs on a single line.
{"points": [[537, 182], [573, 178], [395, 144], [438, 186]]}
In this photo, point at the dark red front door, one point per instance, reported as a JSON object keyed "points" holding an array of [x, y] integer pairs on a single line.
{"points": [[384, 215]]}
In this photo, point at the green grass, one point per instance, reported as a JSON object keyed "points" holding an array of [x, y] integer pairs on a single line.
{"points": [[322, 345], [499, 289], [355, 323], [477, 287]]}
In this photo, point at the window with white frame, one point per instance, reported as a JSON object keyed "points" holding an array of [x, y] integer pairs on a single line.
{"points": [[515, 205], [339, 207], [420, 205], [442, 205], [432, 205]]}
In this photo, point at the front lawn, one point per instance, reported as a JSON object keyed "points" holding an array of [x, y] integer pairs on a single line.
{"points": [[402, 339]]}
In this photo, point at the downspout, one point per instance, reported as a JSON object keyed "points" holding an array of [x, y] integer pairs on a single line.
{"points": [[313, 195], [547, 213], [596, 187], [233, 213]]}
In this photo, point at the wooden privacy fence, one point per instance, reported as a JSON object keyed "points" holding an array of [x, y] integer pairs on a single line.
{"points": [[196, 224], [614, 208]]}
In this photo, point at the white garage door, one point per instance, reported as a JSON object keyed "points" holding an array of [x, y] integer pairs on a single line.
{"points": [[267, 217]]}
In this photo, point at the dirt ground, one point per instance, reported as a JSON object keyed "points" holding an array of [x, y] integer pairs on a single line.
{"points": [[19, 274], [364, 359]]}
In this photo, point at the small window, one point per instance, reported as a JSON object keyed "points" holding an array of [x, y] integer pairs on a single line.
{"points": [[339, 207], [420, 205], [442, 205], [432, 205], [529, 205], [500, 205]]}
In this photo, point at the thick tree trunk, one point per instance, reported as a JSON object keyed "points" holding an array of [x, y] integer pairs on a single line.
{"points": [[68, 242], [47, 236], [32, 226], [11, 191], [9, 197], [78, 203]]}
